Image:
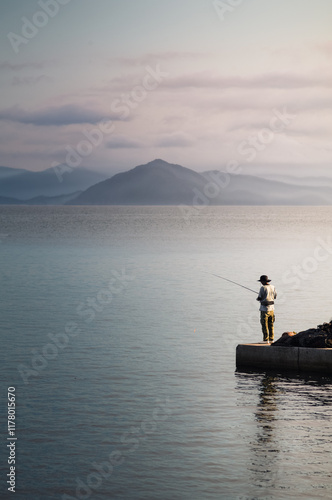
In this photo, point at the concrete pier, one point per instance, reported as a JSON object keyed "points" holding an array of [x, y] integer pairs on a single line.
{"points": [[265, 356]]}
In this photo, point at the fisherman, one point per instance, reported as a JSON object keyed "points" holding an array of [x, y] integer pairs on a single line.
{"points": [[267, 295]]}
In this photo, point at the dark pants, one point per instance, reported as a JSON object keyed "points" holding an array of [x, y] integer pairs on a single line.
{"points": [[267, 322]]}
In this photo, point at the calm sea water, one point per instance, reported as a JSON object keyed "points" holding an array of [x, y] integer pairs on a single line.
{"points": [[120, 344]]}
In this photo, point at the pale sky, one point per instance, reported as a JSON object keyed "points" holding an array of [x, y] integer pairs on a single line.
{"points": [[201, 83]]}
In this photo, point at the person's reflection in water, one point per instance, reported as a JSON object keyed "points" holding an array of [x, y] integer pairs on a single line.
{"points": [[266, 409], [265, 465], [264, 462]]}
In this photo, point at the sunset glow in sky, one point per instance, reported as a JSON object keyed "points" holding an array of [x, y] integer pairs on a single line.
{"points": [[122, 82]]}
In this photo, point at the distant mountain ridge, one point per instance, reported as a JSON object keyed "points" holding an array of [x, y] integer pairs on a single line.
{"points": [[5, 200], [300, 181], [25, 184], [162, 183], [158, 183], [6, 172]]}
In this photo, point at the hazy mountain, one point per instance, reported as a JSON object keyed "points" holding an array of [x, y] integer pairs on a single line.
{"points": [[4, 200], [6, 172], [156, 183], [24, 184], [40, 200], [52, 200], [300, 181], [162, 183], [251, 190]]}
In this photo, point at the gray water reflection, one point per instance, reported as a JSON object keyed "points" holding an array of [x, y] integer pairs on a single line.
{"points": [[290, 436]]}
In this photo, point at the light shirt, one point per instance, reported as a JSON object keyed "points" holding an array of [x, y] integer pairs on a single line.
{"points": [[267, 293]]}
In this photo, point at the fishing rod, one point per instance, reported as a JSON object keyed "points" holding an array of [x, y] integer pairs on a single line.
{"points": [[234, 282]]}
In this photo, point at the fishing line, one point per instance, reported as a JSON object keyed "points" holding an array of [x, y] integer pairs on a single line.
{"points": [[234, 282]]}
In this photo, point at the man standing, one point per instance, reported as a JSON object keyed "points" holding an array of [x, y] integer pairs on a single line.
{"points": [[266, 296]]}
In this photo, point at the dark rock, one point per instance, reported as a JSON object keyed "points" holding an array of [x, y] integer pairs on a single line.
{"points": [[320, 337]]}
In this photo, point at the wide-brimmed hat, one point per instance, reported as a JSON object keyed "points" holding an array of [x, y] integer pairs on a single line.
{"points": [[264, 279]]}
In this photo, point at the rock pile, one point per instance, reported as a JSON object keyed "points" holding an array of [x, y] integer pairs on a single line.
{"points": [[314, 337]]}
